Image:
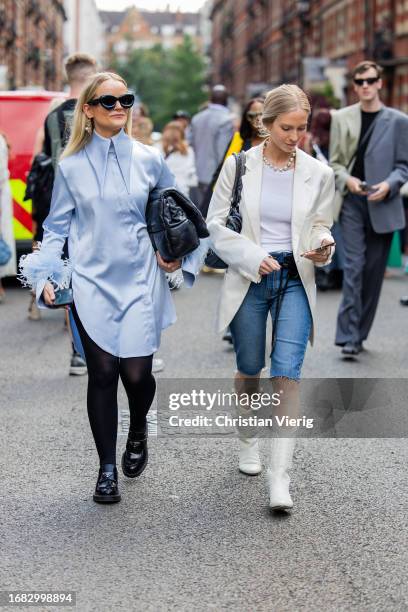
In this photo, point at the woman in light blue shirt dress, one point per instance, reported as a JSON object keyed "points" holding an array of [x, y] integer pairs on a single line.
{"points": [[121, 297]]}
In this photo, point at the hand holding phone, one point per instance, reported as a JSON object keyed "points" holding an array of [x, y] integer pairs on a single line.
{"points": [[320, 249], [365, 188]]}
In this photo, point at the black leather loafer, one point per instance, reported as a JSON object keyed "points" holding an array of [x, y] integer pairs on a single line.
{"points": [[106, 490], [134, 459]]}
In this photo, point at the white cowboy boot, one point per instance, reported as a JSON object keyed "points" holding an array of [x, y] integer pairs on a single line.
{"points": [[281, 453], [249, 461]]}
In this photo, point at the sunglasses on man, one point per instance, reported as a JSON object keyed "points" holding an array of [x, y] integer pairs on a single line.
{"points": [[369, 81], [109, 102]]}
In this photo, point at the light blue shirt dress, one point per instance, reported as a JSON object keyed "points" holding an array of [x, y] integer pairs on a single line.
{"points": [[99, 201]]}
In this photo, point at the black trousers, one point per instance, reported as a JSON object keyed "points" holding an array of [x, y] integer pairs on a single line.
{"points": [[104, 371], [365, 260]]}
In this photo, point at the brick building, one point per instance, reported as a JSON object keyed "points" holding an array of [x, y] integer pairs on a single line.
{"points": [[137, 29], [31, 44], [258, 44]]}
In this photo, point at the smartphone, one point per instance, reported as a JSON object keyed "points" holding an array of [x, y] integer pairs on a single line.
{"points": [[63, 297], [367, 188], [320, 249]]}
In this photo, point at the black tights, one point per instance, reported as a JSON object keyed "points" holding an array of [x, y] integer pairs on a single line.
{"points": [[104, 370]]}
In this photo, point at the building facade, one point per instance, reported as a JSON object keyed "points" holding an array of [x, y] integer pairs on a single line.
{"points": [[84, 30], [31, 44], [258, 44], [136, 29]]}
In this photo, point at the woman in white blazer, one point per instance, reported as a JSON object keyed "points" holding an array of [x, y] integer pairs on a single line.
{"points": [[286, 208]]}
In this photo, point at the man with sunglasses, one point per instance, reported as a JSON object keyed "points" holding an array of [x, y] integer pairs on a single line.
{"points": [[369, 156]]}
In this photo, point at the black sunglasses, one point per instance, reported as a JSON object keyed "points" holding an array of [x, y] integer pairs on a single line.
{"points": [[109, 102], [369, 81]]}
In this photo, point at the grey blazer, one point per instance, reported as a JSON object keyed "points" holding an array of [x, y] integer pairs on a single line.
{"points": [[386, 159], [211, 132]]}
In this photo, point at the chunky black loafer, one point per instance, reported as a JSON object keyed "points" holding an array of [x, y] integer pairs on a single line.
{"points": [[134, 459], [106, 490]]}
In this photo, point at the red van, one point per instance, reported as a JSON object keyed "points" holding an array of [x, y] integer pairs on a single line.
{"points": [[22, 114]]}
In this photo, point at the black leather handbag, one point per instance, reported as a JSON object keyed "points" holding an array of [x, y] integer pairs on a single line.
{"points": [[174, 223], [234, 219]]}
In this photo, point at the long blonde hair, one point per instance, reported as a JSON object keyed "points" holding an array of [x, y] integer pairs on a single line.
{"points": [[284, 99], [79, 134]]}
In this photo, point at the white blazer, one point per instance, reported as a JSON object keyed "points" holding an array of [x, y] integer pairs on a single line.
{"points": [[312, 218]]}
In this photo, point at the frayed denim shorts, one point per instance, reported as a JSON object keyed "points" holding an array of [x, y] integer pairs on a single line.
{"points": [[293, 325]]}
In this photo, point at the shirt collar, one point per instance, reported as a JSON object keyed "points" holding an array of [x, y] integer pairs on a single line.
{"points": [[97, 150]]}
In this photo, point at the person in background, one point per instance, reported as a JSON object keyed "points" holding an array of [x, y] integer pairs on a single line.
{"points": [[6, 214], [179, 156], [142, 129], [184, 118], [316, 143], [211, 131], [251, 131], [368, 153]]}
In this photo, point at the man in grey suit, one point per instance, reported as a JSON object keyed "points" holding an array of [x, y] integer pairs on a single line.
{"points": [[211, 133], [369, 156]]}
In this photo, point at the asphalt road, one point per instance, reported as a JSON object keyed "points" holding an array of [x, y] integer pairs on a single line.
{"points": [[192, 533]]}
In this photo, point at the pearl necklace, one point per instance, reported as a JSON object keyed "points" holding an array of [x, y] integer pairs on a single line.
{"points": [[276, 168]]}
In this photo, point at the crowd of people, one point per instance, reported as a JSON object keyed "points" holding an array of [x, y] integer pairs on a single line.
{"points": [[320, 193]]}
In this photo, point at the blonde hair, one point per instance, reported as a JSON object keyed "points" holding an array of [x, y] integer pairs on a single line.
{"points": [[79, 134], [173, 138], [284, 99]]}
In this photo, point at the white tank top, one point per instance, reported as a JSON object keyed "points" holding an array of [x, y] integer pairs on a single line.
{"points": [[276, 210]]}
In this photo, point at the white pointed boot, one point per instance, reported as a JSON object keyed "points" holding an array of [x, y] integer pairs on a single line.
{"points": [[249, 461], [281, 453]]}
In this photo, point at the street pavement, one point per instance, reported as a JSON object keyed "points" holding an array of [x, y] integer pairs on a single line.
{"points": [[192, 533]]}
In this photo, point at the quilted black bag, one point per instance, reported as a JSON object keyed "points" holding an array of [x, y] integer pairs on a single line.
{"points": [[174, 223]]}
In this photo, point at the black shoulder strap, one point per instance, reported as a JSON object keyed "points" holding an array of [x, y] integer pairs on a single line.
{"points": [[240, 159]]}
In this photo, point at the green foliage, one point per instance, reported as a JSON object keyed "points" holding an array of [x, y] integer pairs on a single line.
{"points": [[166, 80]]}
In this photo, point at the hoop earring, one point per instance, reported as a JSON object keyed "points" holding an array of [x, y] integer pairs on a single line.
{"points": [[88, 126], [263, 132]]}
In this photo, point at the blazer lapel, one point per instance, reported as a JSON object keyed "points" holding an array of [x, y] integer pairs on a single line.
{"points": [[301, 196], [354, 129], [251, 189]]}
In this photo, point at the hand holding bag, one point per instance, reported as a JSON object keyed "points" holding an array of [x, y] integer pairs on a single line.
{"points": [[234, 219]]}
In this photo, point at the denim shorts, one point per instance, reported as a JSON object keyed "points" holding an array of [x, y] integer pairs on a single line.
{"points": [[248, 327]]}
